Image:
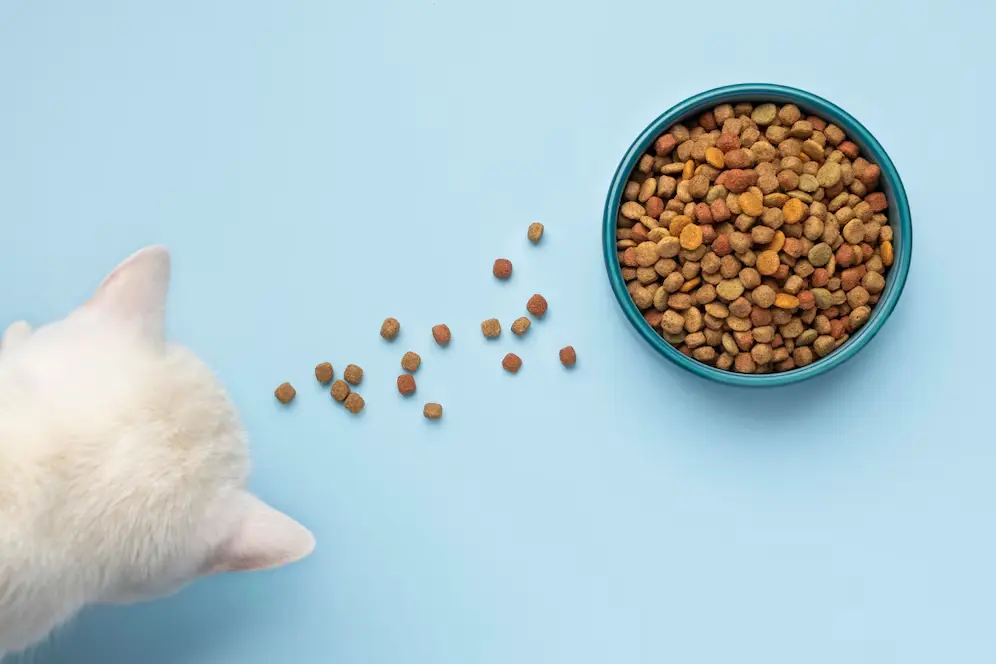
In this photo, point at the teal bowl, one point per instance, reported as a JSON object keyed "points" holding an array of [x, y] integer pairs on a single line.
{"points": [[898, 213]]}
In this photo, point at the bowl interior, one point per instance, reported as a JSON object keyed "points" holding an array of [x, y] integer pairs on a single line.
{"points": [[810, 104]]}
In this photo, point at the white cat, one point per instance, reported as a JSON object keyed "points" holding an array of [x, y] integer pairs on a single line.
{"points": [[122, 463]]}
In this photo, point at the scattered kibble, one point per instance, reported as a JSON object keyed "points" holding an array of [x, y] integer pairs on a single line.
{"points": [[324, 373], [568, 357], [410, 361], [354, 403], [390, 328], [536, 305], [756, 240], [441, 333], [491, 328], [520, 326], [535, 232], [432, 411], [353, 374], [512, 363], [406, 384], [502, 268], [340, 390], [285, 393]]}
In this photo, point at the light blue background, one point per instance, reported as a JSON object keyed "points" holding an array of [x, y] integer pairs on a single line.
{"points": [[317, 166]]}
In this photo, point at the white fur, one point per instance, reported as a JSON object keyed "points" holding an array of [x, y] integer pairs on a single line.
{"points": [[122, 463]]}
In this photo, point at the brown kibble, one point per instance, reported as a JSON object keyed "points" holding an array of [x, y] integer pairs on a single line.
{"points": [[353, 403], [877, 201], [568, 357], [502, 268], [536, 305], [410, 361], [664, 145], [512, 363], [389, 329], [491, 328], [340, 390], [324, 373], [285, 393], [441, 333], [406, 384], [353, 374], [432, 411], [520, 325], [535, 232]]}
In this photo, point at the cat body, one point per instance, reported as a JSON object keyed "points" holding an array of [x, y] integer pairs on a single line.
{"points": [[123, 463]]}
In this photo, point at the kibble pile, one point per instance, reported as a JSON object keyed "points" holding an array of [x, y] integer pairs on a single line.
{"points": [[755, 241], [342, 392]]}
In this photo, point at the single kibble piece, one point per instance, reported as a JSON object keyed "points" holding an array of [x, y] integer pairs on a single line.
{"points": [[536, 305], [432, 411], [441, 333], [491, 328], [406, 384], [758, 241], [535, 232], [512, 363], [411, 362], [353, 374], [340, 390], [568, 357], [520, 325], [390, 328], [285, 393], [353, 403], [502, 268], [324, 373]]}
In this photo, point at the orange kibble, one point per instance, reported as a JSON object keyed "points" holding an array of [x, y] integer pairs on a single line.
{"points": [[714, 156], [786, 301], [888, 253], [767, 262], [688, 171], [777, 243], [678, 224], [690, 285], [691, 237], [751, 203], [793, 210]]}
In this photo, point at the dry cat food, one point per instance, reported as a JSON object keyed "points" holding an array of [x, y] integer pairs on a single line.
{"points": [[535, 232], [536, 305], [432, 411], [340, 390], [491, 328], [324, 373], [353, 374], [755, 239], [441, 333], [568, 357], [411, 361], [512, 363], [353, 403], [406, 384], [502, 268], [285, 393], [520, 325], [390, 328]]}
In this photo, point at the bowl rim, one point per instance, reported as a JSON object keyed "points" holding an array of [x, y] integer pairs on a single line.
{"points": [[903, 242]]}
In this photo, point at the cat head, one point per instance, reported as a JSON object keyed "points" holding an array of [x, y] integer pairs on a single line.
{"points": [[142, 445]]}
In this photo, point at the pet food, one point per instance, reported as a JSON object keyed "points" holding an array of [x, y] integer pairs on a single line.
{"points": [[285, 393], [353, 374], [411, 361], [324, 373]]}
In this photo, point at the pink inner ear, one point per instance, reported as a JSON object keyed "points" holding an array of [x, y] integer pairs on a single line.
{"points": [[135, 292], [264, 538]]}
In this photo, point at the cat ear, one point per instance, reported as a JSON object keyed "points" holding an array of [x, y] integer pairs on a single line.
{"points": [[14, 336], [264, 538], [135, 292]]}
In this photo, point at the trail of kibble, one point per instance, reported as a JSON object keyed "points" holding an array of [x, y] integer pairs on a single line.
{"points": [[756, 241]]}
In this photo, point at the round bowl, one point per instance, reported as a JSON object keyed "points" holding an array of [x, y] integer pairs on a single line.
{"points": [[891, 184]]}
